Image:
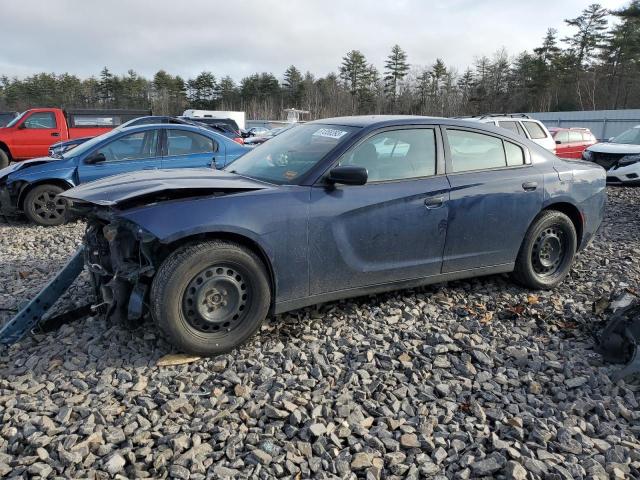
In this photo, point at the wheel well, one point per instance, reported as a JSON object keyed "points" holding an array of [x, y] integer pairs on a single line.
{"points": [[5, 149], [573, 213], [30, 186], [242, 240]]}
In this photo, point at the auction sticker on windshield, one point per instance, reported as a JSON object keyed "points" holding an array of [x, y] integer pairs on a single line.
{"points": [[330, 133]]}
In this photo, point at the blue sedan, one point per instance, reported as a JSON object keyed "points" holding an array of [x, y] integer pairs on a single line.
{"points": [[33, 186], [331, 209]]}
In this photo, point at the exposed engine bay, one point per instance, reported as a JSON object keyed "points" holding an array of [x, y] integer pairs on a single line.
{"points": [[121, 259]]}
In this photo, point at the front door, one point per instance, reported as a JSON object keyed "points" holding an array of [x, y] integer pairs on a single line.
{"points": [[187, 149], [390, 229], [127, 153], [37, 132], [495, 194]]}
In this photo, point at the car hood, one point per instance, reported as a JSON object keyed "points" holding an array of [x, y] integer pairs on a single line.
{"points": [[606, 147], [151, 185], [16, 166]]}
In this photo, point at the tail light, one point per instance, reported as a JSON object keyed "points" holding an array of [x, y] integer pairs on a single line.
{"points": [[239, 140]]}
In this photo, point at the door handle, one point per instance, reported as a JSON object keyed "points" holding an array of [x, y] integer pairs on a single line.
{"points": [[434, 202], [55, 134], [529, 186]]}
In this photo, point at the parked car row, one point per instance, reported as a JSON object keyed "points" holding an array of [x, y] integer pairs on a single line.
{"points": [[31, 133], [619, 156], [32, 186]]}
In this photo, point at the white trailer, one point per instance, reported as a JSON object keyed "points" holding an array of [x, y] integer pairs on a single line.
{"points": [[237, 116]]}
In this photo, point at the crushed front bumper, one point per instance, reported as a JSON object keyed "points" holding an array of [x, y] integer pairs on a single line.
{"points": [[120, 258]]}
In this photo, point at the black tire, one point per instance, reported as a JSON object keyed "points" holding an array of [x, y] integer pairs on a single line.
{"points": [[4, 159], [210, 297], [547, 251], [42, 206]]}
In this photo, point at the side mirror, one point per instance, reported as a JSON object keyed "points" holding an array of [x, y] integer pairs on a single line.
{"points": [[95, 158], [348, 175], [22, 126], [558, 142]]}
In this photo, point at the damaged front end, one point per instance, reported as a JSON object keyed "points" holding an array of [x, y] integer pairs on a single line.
{"points": [[121, 258]]}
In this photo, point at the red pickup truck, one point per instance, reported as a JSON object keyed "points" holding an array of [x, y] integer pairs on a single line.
{"points": [[30, 134]]}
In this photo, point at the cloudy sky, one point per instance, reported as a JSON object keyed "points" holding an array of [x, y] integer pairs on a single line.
{"points": [[245, 36]]}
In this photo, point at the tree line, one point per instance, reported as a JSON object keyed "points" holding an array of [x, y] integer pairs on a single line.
{"points": [[596, 67]]}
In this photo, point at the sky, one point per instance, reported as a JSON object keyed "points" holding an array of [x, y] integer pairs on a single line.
{"points": [[241, 37]]}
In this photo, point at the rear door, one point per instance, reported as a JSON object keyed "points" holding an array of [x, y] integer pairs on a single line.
{"points": [[188, 149], [495, 194], [576, 144], [390, 229], [34, 136], [563, 149], [126, 153]]}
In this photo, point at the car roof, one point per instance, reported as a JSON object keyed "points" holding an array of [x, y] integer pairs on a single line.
{"points": [[174, 126], [368, 120], [380, 121], [559, 129]]}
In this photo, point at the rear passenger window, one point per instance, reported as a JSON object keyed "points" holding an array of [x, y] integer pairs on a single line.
{"points": [[575, 136], [475, 151], [511, 125], [535, 130], [515, 154], [182, 142]]}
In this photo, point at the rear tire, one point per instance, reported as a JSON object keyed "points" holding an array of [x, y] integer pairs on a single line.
{"points": [[42, 206], [210, 297], [4, 159], [547, 251]]}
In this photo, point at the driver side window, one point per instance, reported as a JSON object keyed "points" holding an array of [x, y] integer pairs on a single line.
{"points": [[135, 146], [396, 155]]}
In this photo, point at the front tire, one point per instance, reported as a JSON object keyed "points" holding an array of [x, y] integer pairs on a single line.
{"points": [[210, 297], [547, 251], [44, 207], [4, 159]]}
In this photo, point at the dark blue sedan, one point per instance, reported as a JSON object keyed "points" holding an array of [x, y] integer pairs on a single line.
{"points": [[333, 209], [32, 186]]}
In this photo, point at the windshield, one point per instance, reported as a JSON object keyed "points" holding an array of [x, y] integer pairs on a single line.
{"points": [[15, 120], [287, 157], [89, 144], [631, 136]]}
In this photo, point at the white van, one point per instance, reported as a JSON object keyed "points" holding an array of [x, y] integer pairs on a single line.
{"points": [[239, 117], [521, 124]]}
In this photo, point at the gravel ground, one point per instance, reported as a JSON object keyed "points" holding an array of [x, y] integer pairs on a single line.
{"points": [[468, 379]]}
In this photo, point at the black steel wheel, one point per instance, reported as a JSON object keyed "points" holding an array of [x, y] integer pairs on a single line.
{"points": [[547, 251], [216, 300], [43, 206], [210, 297]]}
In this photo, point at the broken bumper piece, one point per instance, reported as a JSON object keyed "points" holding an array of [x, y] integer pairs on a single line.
{"points": [[619, 341]]}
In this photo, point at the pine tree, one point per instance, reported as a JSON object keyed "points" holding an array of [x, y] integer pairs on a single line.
{"points": [[396, 68], [591, 24], [354, 72], [293, 85]]}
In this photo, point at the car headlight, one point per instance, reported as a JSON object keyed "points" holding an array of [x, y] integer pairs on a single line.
{"points": [[587, 155], [629, 159]]}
